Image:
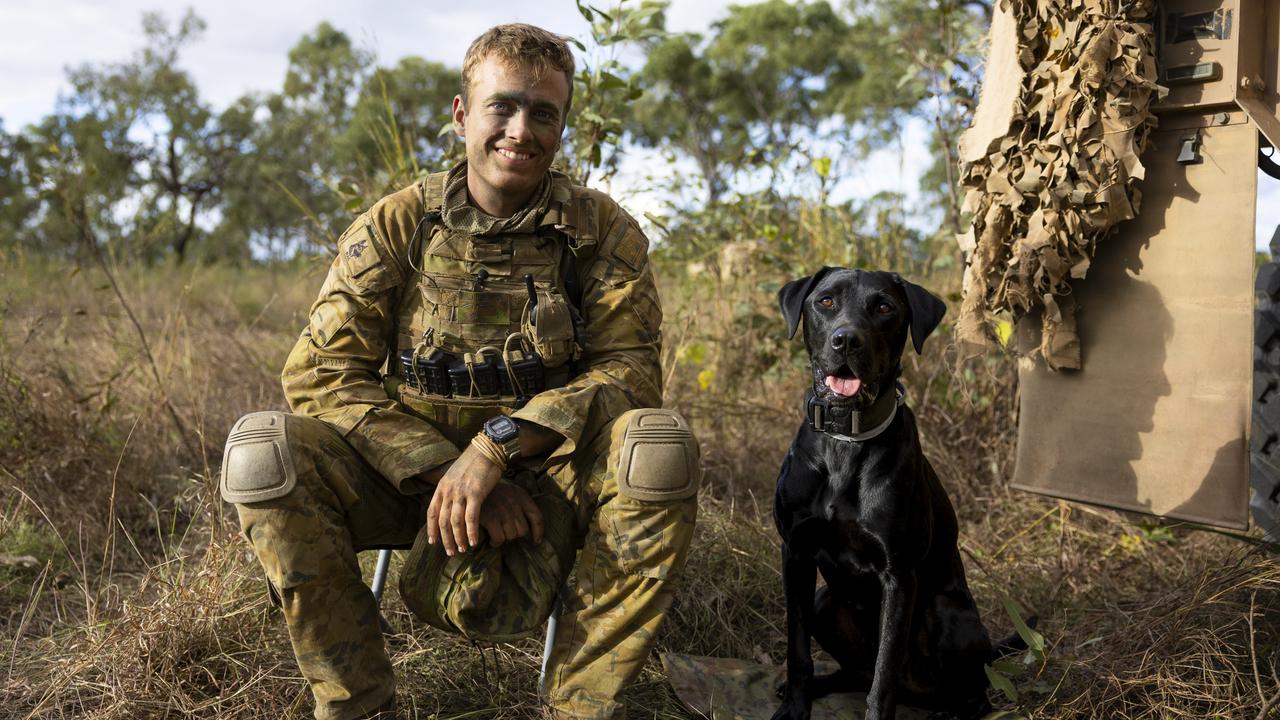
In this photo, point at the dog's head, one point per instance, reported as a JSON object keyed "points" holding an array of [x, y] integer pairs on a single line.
{"points": [[855, 328]]}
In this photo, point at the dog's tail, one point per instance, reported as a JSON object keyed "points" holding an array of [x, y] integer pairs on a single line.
{"points": [[1013, 643]]}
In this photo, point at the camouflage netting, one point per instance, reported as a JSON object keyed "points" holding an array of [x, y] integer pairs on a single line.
{"points": [[1063, 173]]}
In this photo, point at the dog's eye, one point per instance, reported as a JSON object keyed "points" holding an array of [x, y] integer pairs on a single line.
{"points": [[827, 301], [884, 308]]}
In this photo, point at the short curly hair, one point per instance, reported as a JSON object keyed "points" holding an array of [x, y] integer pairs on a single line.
{"points": [[524, 46]]}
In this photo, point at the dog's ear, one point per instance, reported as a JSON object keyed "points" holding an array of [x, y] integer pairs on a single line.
{"points": [[926, 311], [791, 298]]}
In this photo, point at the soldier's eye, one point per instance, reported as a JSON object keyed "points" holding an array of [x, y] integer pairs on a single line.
{"points": [[827, 301]]}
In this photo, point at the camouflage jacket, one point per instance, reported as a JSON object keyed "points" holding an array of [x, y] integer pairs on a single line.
{"points": [[403, 279]]}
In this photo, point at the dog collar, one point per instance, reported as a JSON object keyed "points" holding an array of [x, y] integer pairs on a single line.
{"points": [[842, 422]]}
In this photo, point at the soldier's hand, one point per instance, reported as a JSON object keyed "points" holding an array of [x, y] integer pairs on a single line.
{"points": [[509, 513], [453, 518]]}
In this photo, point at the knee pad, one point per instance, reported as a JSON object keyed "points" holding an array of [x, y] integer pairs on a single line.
{"points": [[257, 464], [658, 457]]}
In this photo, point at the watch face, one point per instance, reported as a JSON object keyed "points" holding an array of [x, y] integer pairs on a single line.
{"points": [[502, 429]]}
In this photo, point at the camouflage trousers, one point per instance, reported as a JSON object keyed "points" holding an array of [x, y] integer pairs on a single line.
{"points": [[632, 553]]}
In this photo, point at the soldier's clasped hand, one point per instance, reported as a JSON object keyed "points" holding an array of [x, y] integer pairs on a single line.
{"points": [[509, 513], [453, 518]]}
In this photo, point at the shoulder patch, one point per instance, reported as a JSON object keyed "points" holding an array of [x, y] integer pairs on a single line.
{"points": [[359, 251], [632, 249]]}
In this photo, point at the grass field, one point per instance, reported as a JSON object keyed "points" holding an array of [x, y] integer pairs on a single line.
{"points": [[126, 592]]}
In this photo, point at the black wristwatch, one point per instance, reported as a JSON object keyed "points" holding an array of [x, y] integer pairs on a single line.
{"points": [[505, 432]]}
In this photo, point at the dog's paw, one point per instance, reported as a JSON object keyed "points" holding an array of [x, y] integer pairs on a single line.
{"points": [[791, 710]]}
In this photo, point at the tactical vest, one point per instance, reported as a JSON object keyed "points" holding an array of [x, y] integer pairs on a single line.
{"points": [[470, 340]]}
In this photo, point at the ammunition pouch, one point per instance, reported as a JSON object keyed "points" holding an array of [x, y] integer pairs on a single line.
{"points": [[257, 464], [486, 374], [658, 457]]}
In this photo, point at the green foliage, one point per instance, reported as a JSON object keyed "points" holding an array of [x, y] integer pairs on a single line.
{"points": [[178, 166], [604, 88], [779, 89], [1002, 672], [792, 235], [401, 125], [16, 205], [27, 539], [926, 55], [748, 96], [1001, 682]]}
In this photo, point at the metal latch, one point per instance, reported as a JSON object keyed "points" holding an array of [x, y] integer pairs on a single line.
{"points": [[1189, 150]]}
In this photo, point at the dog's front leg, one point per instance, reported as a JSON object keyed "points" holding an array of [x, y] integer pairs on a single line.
{"points": [[799, 575], [896, 597]]}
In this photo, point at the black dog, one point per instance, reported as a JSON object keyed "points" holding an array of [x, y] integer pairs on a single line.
{"points": [[857, 500]]}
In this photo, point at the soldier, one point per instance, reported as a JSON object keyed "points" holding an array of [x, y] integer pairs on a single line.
{"points": [[478, 380]]}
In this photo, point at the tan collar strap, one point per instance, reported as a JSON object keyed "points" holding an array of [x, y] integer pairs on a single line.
{"points": [[840, 421]]}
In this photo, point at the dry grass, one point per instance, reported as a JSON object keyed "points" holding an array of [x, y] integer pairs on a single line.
{"points": [[141, 601]]}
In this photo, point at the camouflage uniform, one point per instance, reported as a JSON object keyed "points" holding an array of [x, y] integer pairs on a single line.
{"points": [[422, 269]]}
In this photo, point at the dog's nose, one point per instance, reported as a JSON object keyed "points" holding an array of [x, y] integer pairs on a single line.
{"points": [[845, 339]]}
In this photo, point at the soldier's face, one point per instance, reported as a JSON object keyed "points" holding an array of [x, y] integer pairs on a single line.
{"points": [[511, 122]]}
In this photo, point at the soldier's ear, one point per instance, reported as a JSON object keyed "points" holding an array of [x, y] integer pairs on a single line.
{"points": [[459, 116], [926, 311], [792, 295]]}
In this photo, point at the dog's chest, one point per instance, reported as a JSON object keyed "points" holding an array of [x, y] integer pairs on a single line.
{"points": [[850, 536]]}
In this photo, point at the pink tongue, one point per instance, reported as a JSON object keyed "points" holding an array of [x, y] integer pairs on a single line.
{"points": [[847, 387]]}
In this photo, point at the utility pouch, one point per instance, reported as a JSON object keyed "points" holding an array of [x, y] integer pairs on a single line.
{"points": [[548, 325], [457, 418]]}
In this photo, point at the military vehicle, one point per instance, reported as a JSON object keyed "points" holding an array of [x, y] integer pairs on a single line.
{"points": [[1113, 173]]}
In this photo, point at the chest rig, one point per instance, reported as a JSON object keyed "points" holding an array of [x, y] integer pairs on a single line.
{"points": [[486, 322]]}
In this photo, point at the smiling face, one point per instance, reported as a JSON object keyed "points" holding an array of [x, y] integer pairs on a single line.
{"points": [[511, 121], [856, 325]]}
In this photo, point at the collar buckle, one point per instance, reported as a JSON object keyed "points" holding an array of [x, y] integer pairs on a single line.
{"points": [[851, 425]]}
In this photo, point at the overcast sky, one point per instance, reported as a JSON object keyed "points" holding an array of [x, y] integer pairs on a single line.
{"points": [[245, 45]]}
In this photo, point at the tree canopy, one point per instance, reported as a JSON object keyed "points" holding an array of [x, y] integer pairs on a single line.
{"points": [[133, 159]]}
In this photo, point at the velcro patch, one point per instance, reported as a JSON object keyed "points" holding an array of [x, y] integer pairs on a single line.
{"points": [[359, 252], [631, 249]]}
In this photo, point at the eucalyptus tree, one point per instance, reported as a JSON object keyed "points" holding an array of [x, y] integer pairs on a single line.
{"points": [[155, 153]]}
